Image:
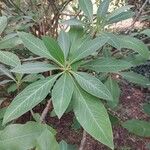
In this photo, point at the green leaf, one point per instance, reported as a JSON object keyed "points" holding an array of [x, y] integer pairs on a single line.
{"points": [[32, 77], [92, 85], [77, 38], [113, 39], [103, 8], [2, 112], [64, 42], [146, 108], [146, 32], [64, 146], [6, 72], [20, 137], [47, 141], [62, 94], [136, 45], [87, 7], [3, 23], [33, 67], [92, 115], [9, 58], [73, 22], [113, 87], [34, 44], [54, 49], [138, 127], [107, 65], [29, 98], [10, 41], [135, 78], [120, 17], [88, 48], [120, 10]]}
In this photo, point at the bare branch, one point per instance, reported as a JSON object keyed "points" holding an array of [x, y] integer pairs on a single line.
{"points": [[137, 16], [46, 110], [83, 141]]}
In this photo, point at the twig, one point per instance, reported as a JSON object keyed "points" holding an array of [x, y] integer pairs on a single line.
{"points": [[137, 16], [46, 110], [83, 141]]}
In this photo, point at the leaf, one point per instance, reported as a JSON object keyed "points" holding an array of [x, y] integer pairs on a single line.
{"points": [[107, 65], [32, 77], [136, 45], [9, 58], [92, 85], [62, 94], [120, 17], [6, 72], [35, 45], [120, 10], [29, 98], [113, 39], [146, 108], [103, 8], [64, 43], [113, 87], [77, 38], [33, 67], [47, 141], [20, 137], [138, 127], [64, 146], [10, 41], [88, 48], [3, 23], [135, 78], [73, 22], [87, 7], [146, 32], [54, 49], [2, 112], [92, 115]]}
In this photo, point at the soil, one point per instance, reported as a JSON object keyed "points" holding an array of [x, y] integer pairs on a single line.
{"points": [[130, 107], [131, 102]]}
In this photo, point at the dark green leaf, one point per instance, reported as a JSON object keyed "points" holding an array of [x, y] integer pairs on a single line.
{"points": [[92, 85], [9, 58], [88, 48], [87, 7], [138, 127], [3, 23], [93, 117], [35, 45], [107, 65], [64, 42], [20, 137], [47, 141], [136, 78], [29, 98], [113, 87], [103, 8], [146, 108], [33, 67], [54, 49], [62, 94]]}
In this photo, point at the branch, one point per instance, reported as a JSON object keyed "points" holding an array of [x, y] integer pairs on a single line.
{"points": [[46, 110], [137, 16], [83, 141]]}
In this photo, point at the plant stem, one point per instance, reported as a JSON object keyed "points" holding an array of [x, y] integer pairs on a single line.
{"points": [[83, 141], [46, 110]]}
